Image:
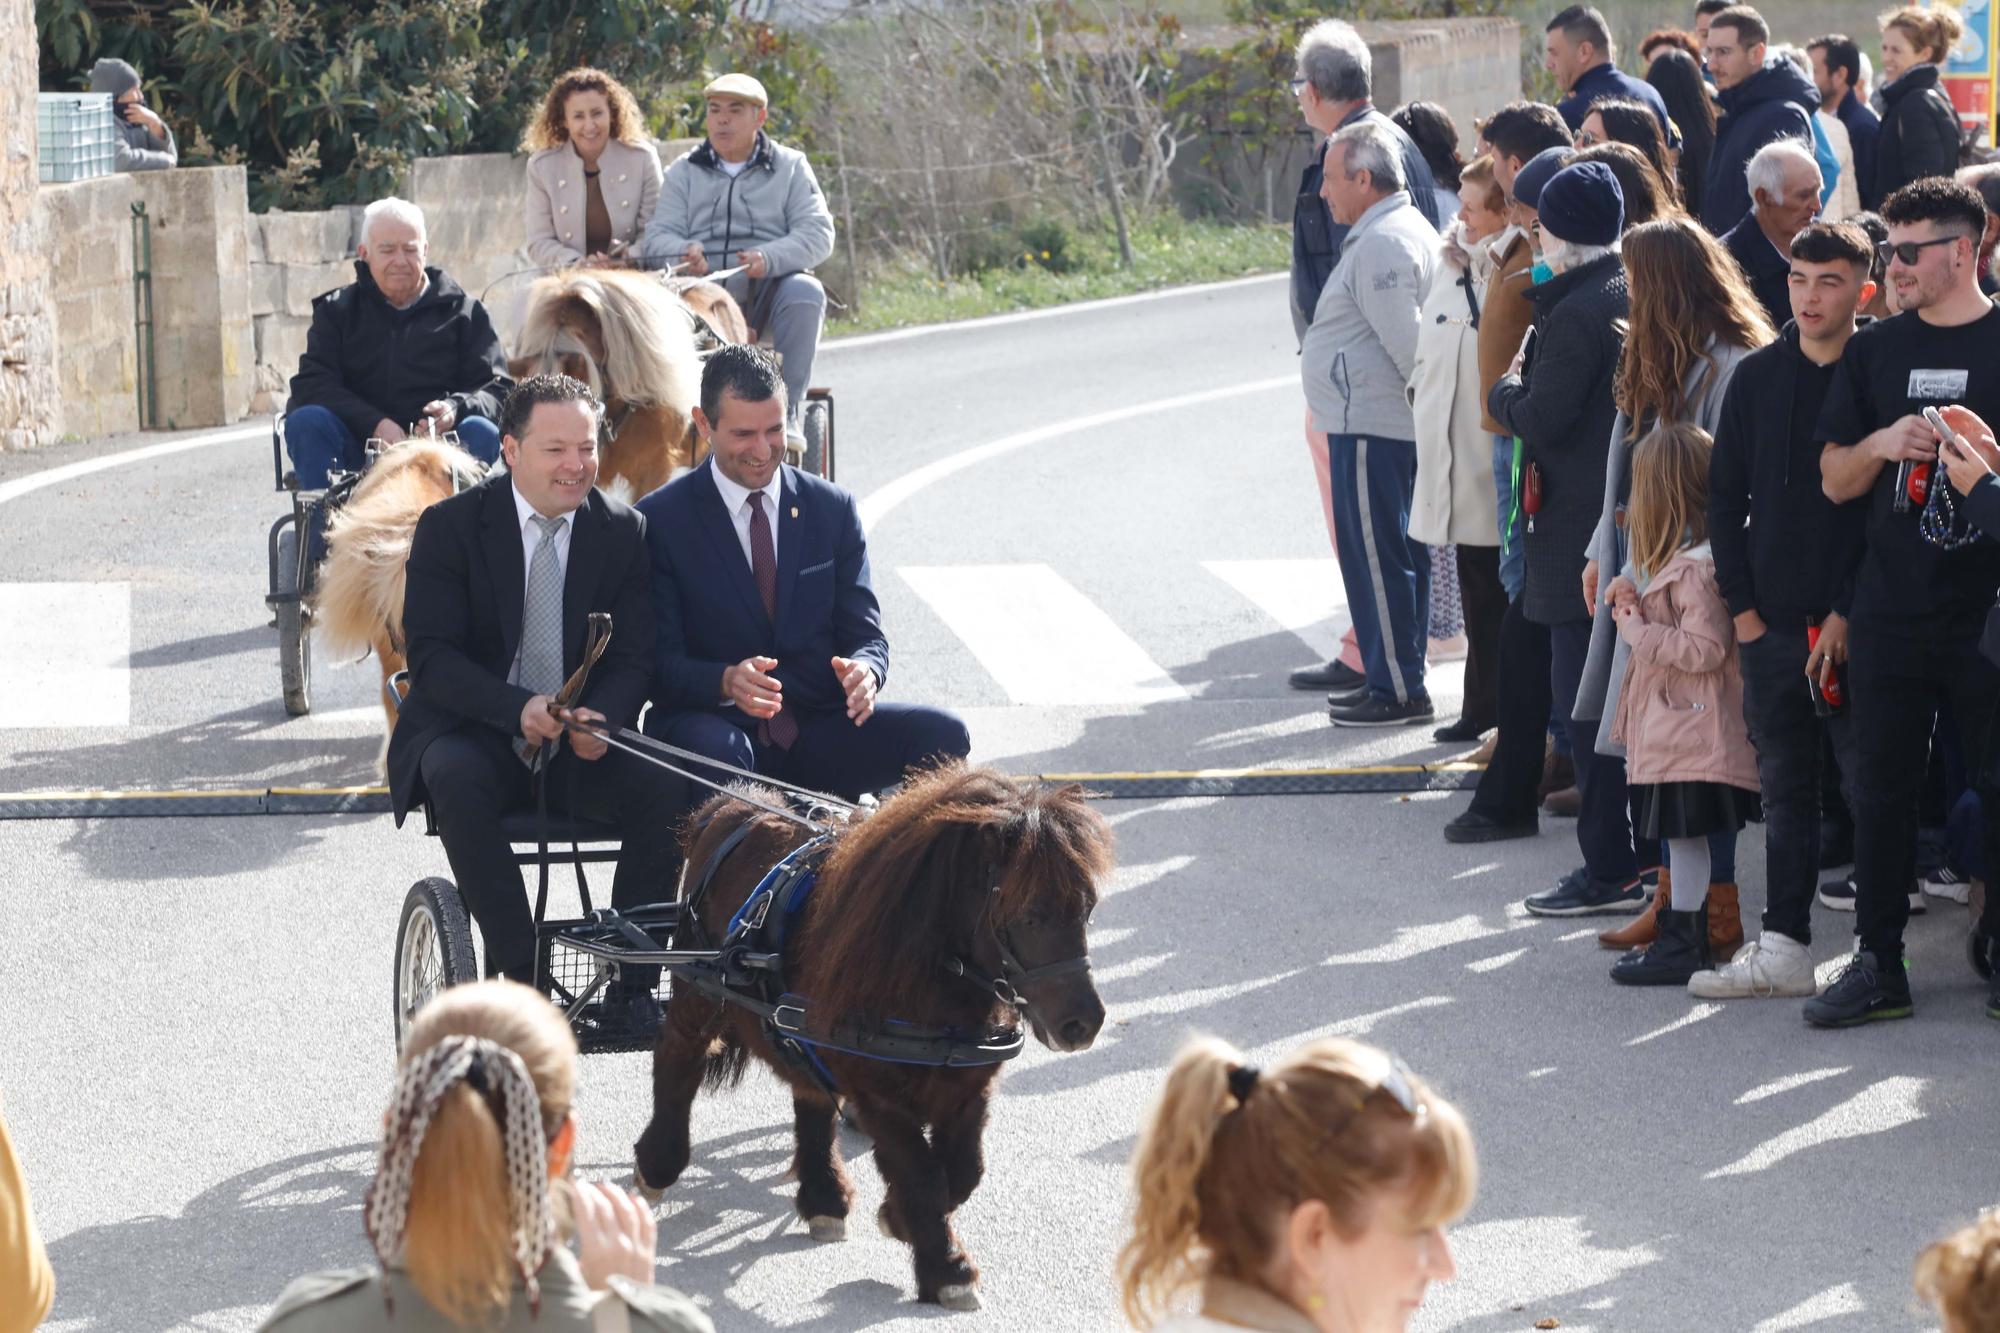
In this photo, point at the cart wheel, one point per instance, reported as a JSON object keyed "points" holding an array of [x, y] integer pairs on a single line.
{"points": [[816, 425], [433, 948], [294, 629]]}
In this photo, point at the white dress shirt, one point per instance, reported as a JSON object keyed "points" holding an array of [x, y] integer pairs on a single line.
{"points": [[736, 499]]}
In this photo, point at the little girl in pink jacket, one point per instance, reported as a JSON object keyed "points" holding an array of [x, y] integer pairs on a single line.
{"points": [[1680, 714]]}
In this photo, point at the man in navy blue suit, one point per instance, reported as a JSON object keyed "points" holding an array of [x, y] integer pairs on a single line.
{"points": [[771, 650]]}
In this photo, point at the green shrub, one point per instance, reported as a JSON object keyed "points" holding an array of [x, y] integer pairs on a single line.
{"points": [[328, 102]]}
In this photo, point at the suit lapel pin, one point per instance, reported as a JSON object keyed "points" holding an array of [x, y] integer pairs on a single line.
{"points": [[795, 511]]}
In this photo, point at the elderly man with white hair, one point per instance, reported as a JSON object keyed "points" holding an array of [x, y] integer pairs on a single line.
{"points": [[1785, 186], [1356, 360], [402, 348], [1333, 85]]}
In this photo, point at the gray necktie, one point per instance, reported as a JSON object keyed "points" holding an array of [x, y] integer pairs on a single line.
{"points": [[541, 618]]}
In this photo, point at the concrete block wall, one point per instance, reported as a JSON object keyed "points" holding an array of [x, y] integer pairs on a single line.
{"points": [[98, 368], [204, 342], [30, 401], [1469, 65]]}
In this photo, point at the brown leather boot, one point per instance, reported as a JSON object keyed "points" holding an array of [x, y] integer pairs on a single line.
{"points": [[1725, 923], [1644, 928]]}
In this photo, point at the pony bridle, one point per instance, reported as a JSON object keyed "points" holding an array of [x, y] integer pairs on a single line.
{"points": [[568, 344], [1010, 987]]}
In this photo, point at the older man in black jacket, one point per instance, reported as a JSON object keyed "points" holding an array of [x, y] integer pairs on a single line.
{"points": [[502, 579], [402, 346], [1561, 407]]}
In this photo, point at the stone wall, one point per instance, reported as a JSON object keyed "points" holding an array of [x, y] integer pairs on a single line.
{"points": [[1468, 65], [98, 368], [30, 403]]}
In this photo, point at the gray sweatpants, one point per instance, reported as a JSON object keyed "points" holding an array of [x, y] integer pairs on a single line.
{"points": [[798, 312]]}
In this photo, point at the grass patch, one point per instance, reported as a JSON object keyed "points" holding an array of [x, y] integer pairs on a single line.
{"points": [[1166, 252]]}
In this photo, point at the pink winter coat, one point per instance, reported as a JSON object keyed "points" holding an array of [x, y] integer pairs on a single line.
{"points": [[1680, 714]]}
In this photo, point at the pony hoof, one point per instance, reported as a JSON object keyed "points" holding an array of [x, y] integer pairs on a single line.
{"points": [[960, 1296], [827, 1229], [650, 1193]]}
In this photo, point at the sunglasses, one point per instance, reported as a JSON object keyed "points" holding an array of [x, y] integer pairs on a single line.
{"points": [[1395, 1085], [1908, 252]]}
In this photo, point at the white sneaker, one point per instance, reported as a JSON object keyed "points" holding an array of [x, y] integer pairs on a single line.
{"points": [[1945, 882], [1767, 966]]}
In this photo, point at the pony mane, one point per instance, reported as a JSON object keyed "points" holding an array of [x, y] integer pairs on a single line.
{"points": [[898, 885], [361, 584], [649, 351]]}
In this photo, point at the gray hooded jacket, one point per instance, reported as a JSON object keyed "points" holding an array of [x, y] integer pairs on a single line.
{"points": [[774, 205], [137, 148]]}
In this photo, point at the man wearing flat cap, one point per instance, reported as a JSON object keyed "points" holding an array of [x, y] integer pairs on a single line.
{"points": [[144, 142], [742, 201]]}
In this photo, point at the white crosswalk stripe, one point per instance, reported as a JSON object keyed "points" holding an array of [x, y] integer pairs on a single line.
{"points": [[65, 654], [1039, 637], [1303, 596]]}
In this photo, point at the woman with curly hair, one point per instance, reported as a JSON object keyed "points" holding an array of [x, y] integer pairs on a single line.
{"points": [[1312, 1195], [594, 177], [1693, 319]]}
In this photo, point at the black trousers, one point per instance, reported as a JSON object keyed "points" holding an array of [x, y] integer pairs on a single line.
{"points": [[1485, 603], [474, 778], [1507, 788], [1604, 819], [1897, 686], [831, 754], [1796, 750]]}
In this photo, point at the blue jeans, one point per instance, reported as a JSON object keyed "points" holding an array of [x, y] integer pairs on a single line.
{"points": [[320, 442], [1386, 573], [1513, 556]]}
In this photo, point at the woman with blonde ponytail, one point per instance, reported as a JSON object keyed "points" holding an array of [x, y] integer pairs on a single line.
{"points": [[472, 1194], [1310, 1197]]}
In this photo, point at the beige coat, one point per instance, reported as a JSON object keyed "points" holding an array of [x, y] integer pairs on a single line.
{"points": [[1680, 714], [1454, 502], [630, 176]]}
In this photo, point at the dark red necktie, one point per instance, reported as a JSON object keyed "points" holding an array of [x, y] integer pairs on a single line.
{"points": [[780, 730]]}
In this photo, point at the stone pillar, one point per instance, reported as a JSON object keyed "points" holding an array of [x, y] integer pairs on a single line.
{"points": [[205, 349], [30, 406]]}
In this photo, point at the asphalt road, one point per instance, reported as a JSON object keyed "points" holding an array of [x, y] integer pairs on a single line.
{"points": [[1095, 534]]}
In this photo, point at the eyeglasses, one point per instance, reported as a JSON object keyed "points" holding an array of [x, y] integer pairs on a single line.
{"points": [[1584, 139], [1299, 82], [1908, 252]]}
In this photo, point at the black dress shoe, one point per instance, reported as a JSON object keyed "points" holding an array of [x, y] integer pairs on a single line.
{"points": [[1335, 676], [1472, 826], [1371, 712], [1348, 698], [1464, 730]]}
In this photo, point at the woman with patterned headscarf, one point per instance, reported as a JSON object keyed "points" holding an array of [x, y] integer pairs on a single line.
{"points": [[472, 1195]]}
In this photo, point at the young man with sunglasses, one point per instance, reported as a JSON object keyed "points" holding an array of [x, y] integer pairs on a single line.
{"points": [[1920, 590]]}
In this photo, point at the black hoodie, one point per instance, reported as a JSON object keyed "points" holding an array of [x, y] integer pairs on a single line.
{"points": [[1777, 538], [1919, 132], [1775, 102]]}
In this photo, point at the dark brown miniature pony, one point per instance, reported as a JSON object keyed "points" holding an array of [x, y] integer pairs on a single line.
{"points": [[962, 863]]}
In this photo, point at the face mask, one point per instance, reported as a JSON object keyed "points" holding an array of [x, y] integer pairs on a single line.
{"points": [[1541, 273]]}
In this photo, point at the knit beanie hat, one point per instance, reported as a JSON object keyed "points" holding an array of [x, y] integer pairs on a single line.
{"points": [[1535, 174], [113, 76], [1583, 205]]}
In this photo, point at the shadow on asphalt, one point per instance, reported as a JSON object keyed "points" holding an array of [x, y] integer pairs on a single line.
{"points": [[247, 747], [239, 1242]]}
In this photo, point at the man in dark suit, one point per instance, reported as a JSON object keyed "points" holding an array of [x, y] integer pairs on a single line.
{"points": [[770, 638], [501, 579]]}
